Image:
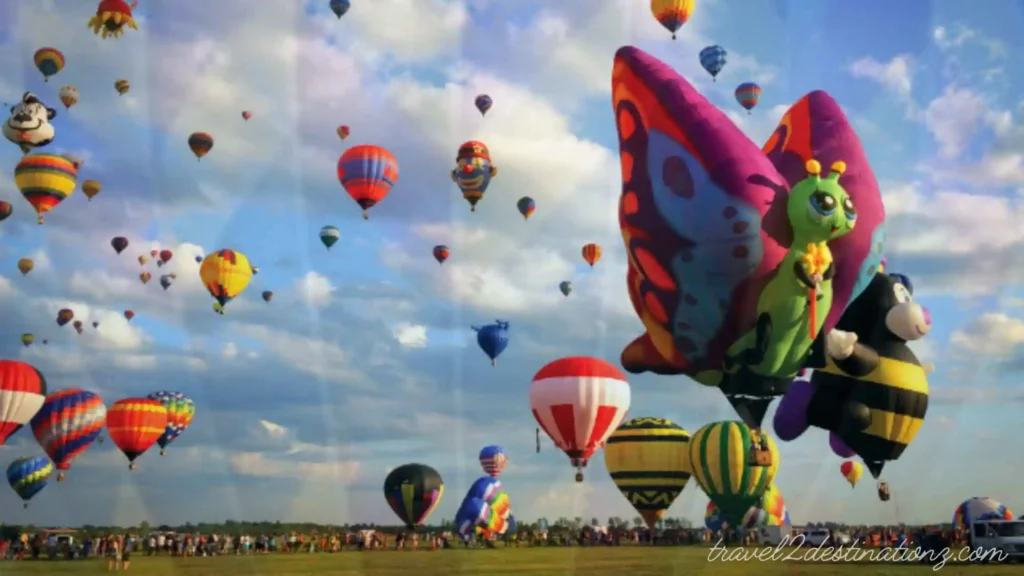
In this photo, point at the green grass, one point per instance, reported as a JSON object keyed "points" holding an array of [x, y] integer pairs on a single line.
{"points": [[625, 561]]}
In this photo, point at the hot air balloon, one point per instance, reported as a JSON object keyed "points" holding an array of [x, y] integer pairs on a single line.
{"points": [[672, 14], [720, 459], [67, 424], [255, 270], [367, 173], [339, 7], [45, 180], [483, 103], [852, 471], [28, 476], [5, 210], [143, 259], [64, 316], [526, 206], [95, 324], [22, 393], [329, 236], [441, 253], [413, 491], [154, 253], [166, 281], [268, 295], [27, 339], [200, 143], [484, 509], [713, 519], [91, 188], [119, 243], [165, 256], [578, 402], [111, 18], [770, 510], [49, 61], [566, 287], [712, 59], [180, 412], [978, 510], [68, 96], [129, 314], [135, 424], [492, 339], [343, 131], [493, 460], [246, 115], [649, 462], [122, 86], [77, 325], [591, 253], [145, 277], [473, 171], [25, 265], [75, 159], [748, 94], [225, 273]]}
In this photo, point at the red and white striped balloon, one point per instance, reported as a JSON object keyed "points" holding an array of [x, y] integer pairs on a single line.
{"points": [[578, 402]]}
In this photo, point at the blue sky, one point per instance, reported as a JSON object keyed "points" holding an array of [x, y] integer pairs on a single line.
{"points": [[365, 359]]}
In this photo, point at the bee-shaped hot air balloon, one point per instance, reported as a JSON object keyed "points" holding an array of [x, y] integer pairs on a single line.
{"points": [[473, 171], [111, 18]]}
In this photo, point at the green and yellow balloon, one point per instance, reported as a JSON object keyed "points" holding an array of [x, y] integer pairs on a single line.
{"points": [[718, 455]]}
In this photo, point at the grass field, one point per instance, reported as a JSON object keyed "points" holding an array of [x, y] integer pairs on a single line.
{"points": [[626, 561]]}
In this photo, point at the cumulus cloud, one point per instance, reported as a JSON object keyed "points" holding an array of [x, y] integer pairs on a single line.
{"points": [[315, 290], [410, 335], [895, 75]]}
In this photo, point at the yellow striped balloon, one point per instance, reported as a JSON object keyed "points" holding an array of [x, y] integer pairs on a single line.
{"points": [[718, 453], [649, 461], [45, 180]]}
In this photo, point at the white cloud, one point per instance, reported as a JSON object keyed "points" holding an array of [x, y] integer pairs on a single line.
{"points": [[314, 290], [992, 335], [959, 35], [895, 75], [417, 29], [410, 335], [229, 351], [324, 360], [955, 117], [273, 430], [259, 465]]}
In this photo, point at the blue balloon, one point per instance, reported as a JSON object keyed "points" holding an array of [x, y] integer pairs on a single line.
{"points": [[712, 59], [542, 525], [339, 7], [512, 528], [492, 339], [28, 476]]}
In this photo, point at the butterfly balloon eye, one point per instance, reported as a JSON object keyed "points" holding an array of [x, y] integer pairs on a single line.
{"points": [[823, 203], [850, 209]]}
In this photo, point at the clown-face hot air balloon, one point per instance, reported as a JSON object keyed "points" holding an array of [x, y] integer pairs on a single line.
{"points": [[719, 458], [578, 402], [200, 143], [473, 171], [483, 103], [441, 253], [67, 424], [367, 173], [111, 18], [492, 339], [28, 476], [45, 180], [698, 271], [649, 462], [329, 236], [22, 393], [225, 273], [493, 460], [413, 491], [180, 411], [748, 95], [49, 61], [135, 424], [672, 14], [526, 207]]}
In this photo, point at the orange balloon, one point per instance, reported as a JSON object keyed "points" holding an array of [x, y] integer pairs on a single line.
{"points": [[135, 424], [591, 253]]}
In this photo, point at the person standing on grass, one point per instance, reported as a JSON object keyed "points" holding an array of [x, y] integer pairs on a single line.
{"points": [[113, 549], [127, 543]]}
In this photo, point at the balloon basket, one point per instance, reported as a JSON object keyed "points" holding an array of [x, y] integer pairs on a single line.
{"points": [[25, 506], [60, 476], [579, 476], [131, 466], [366, 215], [494, 362], [163, 452]]}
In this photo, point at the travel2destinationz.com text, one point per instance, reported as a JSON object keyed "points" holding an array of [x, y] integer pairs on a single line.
{"points": [[794, 549]]}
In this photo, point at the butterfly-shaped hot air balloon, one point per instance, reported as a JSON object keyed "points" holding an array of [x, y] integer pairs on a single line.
{"points": [[29, 475], [526, 207], [67, 424], [180, 412], [200, 143], [413, 491], [45, 180], [22, 393], [493, 460], [135, 424], [649, 462], [727, 245], [672, 14], [748, 95], [713, 59], [441, 253], [225, 274], [578, 402], [492, 339], [367, 173], [329, 236], [48, 61], [483, 103]]}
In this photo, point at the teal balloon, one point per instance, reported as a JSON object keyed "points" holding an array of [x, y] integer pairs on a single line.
{"points": [[329, 235]]}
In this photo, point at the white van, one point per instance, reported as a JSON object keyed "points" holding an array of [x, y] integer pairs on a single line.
{"points": [[814, 537], [774, 535], [997, 540]]}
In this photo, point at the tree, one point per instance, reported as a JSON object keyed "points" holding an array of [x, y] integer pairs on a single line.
{"points": [[144, 528], [638, 522], [594, 522]]}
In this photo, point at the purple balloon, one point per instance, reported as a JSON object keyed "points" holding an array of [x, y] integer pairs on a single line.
{"points": [[839, 448], [791, 416]]}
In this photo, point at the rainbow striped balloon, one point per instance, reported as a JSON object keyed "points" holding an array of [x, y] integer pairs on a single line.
{"points": [[45, 180], [180, 411], [67, 424], [49, 61]]}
